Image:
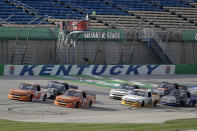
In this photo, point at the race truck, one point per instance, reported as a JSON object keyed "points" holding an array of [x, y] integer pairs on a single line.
{"points": [[27, 92], [139, 98], [75, 99], [179, 98], [193, 90], [55, 88], [122, 90], [164, 88]]}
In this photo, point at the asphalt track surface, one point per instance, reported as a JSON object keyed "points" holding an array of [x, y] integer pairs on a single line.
{"points": [[106, 110]]}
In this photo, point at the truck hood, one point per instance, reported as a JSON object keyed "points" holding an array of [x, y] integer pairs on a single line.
{"points": [[66, 98], [132, 97], [19, 91], [159, 88], [119, 91], [169, 97], [49, 89]]}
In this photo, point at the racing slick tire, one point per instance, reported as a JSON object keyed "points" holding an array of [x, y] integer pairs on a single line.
{"points": [[52, 97], [77, 105], [90, 104], [193, 103], [45, 97], [31, 98], [155, 104], [142, 104], [181, 103]]}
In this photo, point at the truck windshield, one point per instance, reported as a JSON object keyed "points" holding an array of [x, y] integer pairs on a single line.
{"points": [[72, 93], [175, 93], [126, 87], [26, 87], [55, 85], [139, 93], [164, 85]]}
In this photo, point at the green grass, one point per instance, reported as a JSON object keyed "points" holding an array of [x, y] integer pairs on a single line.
{"points": [[6, 125], [106, 80]]}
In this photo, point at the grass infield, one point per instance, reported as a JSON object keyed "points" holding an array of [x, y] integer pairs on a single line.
{"points": [[172, 125]]}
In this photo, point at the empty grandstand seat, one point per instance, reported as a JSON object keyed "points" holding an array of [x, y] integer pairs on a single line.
{"points": [[106, 11]]}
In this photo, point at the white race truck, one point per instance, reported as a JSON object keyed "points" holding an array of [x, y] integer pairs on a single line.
{"points": [[122, 90], [140, 98]]}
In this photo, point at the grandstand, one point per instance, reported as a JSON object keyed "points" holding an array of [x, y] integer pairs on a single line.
{"points": [[162, 18], [165, 13]]}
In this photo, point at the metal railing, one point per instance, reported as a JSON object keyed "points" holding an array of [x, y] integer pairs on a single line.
{"points": [[3, 21], [24, 6]]}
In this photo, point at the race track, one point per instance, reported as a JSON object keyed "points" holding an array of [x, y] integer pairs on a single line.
{"points": [[104, 111]]}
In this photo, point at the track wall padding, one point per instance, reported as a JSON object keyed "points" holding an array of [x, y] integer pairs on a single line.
{"points": [[1, 69], [186, 69], [35, 70]]}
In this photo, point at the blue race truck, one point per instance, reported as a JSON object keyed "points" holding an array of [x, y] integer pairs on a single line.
{"points": [[179, 98]]}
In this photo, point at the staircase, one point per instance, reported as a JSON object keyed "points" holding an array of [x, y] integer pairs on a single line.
{"points": [[18, 55], [157, 50], [156, 45]]}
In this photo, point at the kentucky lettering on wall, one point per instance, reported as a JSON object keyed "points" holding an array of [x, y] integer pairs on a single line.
{"points": [[88, 69]]}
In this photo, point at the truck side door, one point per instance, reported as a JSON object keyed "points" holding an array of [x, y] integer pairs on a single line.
{"points": [[84, 99], [37, 92], [148, 100]]}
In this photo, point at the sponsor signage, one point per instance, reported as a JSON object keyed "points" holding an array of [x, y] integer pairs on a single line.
{"points": [[100, 34], [23, 70], [189, 36]]}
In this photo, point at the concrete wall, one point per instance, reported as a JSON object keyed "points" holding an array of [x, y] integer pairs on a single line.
{"points": [[182, 53], [103, 52], [38, 52]]}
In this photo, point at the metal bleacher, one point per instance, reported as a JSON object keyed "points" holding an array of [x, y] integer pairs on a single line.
{"points": [[53, 9], [164, 14], [135, 5], [20, 16]]}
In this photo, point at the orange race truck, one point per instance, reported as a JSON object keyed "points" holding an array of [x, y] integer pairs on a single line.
{"points": [[27, 92], [74, 98]]}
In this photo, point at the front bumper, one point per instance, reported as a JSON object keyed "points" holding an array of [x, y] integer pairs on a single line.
{"points": [[64, 104], [129, 103], [115, 96], [18, 97], [169, 104]]}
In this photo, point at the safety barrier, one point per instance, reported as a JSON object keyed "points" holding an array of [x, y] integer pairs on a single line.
{"points": [[1, 69], [186, 69], [88, 69], [97, 69]]}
